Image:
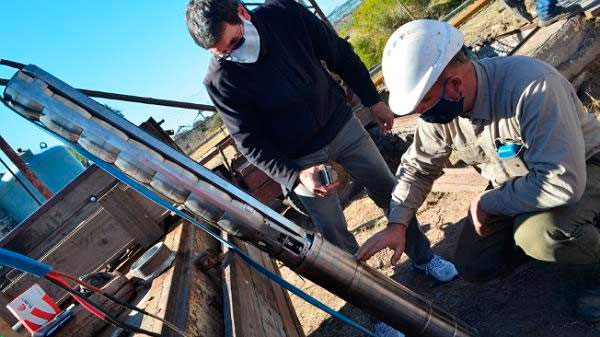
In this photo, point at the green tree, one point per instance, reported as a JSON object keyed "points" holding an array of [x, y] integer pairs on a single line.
{"points": [[83, 160], [216, 122], [115, 111], [372, 23]]}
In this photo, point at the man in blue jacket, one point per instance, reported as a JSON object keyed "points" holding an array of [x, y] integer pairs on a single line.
{"points": [[289, 117]]}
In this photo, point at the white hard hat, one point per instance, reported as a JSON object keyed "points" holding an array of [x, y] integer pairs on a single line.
{"points": [[413, 59]]}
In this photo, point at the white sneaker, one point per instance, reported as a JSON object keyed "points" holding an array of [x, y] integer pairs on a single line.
{"points": [[381, 329], [438, 268]]}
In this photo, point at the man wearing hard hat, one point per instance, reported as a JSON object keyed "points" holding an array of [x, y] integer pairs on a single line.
{"points": [[520, 123]]}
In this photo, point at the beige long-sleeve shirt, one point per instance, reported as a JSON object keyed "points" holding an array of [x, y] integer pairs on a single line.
{"points": [[519, 100]]}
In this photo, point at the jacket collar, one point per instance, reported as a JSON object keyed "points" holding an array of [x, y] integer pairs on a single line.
{"points": [[481, 107]]}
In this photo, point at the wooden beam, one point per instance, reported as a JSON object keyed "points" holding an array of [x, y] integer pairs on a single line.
{"points": [[87, 249], [256, 306], [468, 13], [183, 295], [86, 324], [591, 8], [131, 216], [205, 298], [6, 329], [56, 213]]}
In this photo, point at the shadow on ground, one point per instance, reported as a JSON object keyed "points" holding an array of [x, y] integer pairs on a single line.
{"points": [[537, 299]]}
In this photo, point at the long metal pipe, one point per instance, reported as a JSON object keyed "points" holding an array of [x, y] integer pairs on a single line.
{"points": [[18, 179], [139, 99], [364, 287], [45, 100]]}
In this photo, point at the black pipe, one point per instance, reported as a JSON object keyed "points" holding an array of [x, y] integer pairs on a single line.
{"points": [[148, 100], [12, 64], [139, 99], [20, 182]]}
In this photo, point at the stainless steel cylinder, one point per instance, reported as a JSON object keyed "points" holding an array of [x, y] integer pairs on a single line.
{"points": [[97, 143], [21, 100], [171, 189], [382, 297], [202, 206], [129, 161], [58, 117]]}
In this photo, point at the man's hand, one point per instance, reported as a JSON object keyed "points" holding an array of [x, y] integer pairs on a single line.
{"points": [[479, 217], [309, 177], [393, 237], [383, 116]]}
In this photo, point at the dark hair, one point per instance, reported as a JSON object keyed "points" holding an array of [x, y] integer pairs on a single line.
{"points": [[461, 57], [205, 19]]}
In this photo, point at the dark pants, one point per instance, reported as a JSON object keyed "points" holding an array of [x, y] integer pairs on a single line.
{"points": [[354, 149], [565, 235]]}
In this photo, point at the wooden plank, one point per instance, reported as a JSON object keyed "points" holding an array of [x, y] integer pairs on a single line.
{"points": [[256, 306], [155, 212], [460, 180], [183, 295], [84, 323], [157, 298], [280, 297], [84, 251], [131, 216], [405, 122], [591, 8], [267, 192], [58, 210], [465, 15], [80, 216], [5, 315], [205, 300], [153, 128], [6, 329]]}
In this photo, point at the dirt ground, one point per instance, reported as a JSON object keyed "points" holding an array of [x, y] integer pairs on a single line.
{"points": [[537, 299]]}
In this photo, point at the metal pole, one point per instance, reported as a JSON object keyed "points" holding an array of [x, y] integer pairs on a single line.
{"points": [[20, 164], [148, 100], [320, 13], [139, 99], [21, 182], [456, 10]]}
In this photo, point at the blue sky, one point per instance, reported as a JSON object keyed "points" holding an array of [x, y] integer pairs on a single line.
{"points": [[130, 47]]}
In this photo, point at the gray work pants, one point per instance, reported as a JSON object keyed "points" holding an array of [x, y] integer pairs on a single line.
{"points": [[564, 234], [354, 150]]}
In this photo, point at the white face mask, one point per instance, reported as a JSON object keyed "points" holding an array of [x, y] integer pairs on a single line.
{"points": [[249, 50]]}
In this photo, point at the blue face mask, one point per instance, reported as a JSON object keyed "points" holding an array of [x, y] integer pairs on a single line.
{"points": [[445, 110]]}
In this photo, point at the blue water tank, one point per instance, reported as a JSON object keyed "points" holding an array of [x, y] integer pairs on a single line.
{"points": [[56, 167]]}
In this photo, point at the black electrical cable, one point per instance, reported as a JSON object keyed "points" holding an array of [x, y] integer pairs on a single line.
{"points": [[13, 174], [12, 64], [117, 301], [108, 317], [21, 182]]}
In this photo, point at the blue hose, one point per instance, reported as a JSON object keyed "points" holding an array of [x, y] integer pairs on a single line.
{"points": [[23, 263]]}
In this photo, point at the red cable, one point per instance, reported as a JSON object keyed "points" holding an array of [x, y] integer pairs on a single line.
{"points": [[81, 301]]}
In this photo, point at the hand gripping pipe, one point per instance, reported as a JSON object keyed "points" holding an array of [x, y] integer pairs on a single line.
{"points": [[67, 113]]}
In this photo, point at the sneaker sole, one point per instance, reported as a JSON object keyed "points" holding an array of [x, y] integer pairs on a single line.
{"points": [[435, 282]]}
